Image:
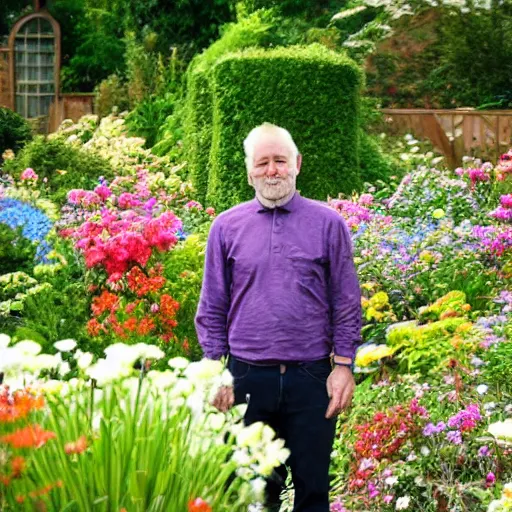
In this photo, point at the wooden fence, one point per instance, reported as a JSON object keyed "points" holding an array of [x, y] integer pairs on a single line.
{"points": [[455, 133]]}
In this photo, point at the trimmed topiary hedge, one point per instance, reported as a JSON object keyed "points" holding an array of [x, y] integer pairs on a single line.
{"points": [[312, 92], [249, 32]]}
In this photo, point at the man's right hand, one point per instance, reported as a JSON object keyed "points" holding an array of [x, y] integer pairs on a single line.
{"points": [[224, 399]]}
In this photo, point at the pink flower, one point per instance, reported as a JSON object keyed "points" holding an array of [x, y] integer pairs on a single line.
{"points": [[103, 192], [506, 201], [388, 498], [490, 479], [29, 174], [366, 199], [210, 211], [194, 204]]}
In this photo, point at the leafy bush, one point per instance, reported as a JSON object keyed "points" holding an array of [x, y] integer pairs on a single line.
{"points": [[64, 166], [273, 88], [111, 93], [184, 272], [14, 131], [498, 370], [16, 252]]}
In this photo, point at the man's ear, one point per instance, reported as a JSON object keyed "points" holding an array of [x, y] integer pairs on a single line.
{"points": [[249, 179], [299, 162]]}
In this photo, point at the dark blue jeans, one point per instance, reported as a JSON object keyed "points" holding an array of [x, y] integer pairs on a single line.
{"points": [[292, 399]]}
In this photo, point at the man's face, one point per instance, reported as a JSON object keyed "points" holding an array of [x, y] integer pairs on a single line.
{"points": [[273, 173]]}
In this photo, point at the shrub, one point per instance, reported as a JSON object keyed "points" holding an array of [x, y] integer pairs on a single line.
{"points": [[63, 165], [14, 131], [374, 163], [324, 121], [111, 93], [16, 252], [250, 31]]}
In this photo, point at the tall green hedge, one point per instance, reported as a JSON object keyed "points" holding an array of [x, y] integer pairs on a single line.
{"points": [[248, 32], [312, 92], [198, 129]]}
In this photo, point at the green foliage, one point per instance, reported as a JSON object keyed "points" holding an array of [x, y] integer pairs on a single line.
{"points": [[498, 370], [149, 115], [10, 11], [14, 131], [374, 163], [273, 90], [16, 252], [111, 94], [61, 310], [92, 42], [183, 268], [179, 23], [65, 166], [426, 348], [250, 31]]}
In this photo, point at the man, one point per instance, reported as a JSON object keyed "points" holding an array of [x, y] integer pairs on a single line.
{"points": [[280, 295]]}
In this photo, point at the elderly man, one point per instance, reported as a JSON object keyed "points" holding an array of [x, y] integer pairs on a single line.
{"points": [[281, 297]]}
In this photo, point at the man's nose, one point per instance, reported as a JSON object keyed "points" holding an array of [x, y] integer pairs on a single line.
{"points": [[272, 168]]}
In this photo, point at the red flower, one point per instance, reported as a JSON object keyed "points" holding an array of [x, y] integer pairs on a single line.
{"points": [[198, 505], [77, 446], [18, 465], [28, 437]]}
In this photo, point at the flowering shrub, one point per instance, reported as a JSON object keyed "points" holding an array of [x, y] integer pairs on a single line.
{"points": [[92, 432]]}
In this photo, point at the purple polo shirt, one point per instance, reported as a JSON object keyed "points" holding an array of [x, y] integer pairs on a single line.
{"points": [[279, 284]]}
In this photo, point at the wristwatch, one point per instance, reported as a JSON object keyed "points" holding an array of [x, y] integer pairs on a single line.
{"points": [[343, 361]]}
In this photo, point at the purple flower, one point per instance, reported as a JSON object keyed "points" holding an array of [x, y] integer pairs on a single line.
{"points": [[454, 437], [484, 451], [490, 479]]}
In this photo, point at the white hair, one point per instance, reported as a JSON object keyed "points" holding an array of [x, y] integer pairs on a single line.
{"points": [[267, 129]]}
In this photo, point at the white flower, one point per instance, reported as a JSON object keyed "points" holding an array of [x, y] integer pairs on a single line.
{"points": [[501, 429], [391, 480], [425, 451], [482, 389], [64, 368], [4, 340], [28, 347], [84, 360], [145, 351], [178, 363], [216, 421], [403, 503], [107, 370], [65, 345], [251, 435], [258, 488], [41, 362], [204, 370], [11, 360], [162, 380]]}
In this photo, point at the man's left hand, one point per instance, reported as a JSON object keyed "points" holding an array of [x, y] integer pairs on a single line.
{"points": [[340, 388]]}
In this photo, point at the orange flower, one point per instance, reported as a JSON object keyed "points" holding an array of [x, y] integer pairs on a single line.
{"points": [[94, 327], [18, 405], [78, 446], [105, 302], [44, 490], [5, 480], [198, 505], [18, 465], [20, 499], [145, 326], [28, 437]]}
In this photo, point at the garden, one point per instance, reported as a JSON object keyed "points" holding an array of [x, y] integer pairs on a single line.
{"points": [[105, 398]]}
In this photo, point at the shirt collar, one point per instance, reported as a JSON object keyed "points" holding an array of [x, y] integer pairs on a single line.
{"points": [[289, 207]]}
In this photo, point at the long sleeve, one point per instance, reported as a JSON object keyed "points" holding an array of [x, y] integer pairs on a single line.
{"points": [[211, 317], [345, 294]]}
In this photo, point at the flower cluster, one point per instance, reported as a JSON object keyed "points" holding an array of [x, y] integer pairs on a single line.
{"points": [[504, 211], [35, 225]]}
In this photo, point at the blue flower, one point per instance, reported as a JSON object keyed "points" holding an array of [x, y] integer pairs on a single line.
{"points": [[34, 223]]}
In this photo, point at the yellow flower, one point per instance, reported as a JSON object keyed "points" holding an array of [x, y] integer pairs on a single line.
{"points": [[371, 312], [371, 353], [438, 213]]}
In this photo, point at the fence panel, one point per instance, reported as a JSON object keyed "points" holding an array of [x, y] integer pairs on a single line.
{"points": [[455, 133]]}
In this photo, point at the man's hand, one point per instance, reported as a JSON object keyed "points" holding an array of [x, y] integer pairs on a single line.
{"points": [[224, 399], [340, 388]]}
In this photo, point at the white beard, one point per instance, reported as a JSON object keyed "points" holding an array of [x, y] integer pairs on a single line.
{"points": [[273, 192]]}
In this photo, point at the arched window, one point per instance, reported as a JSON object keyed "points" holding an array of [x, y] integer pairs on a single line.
{"points": [[34, 46]]}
